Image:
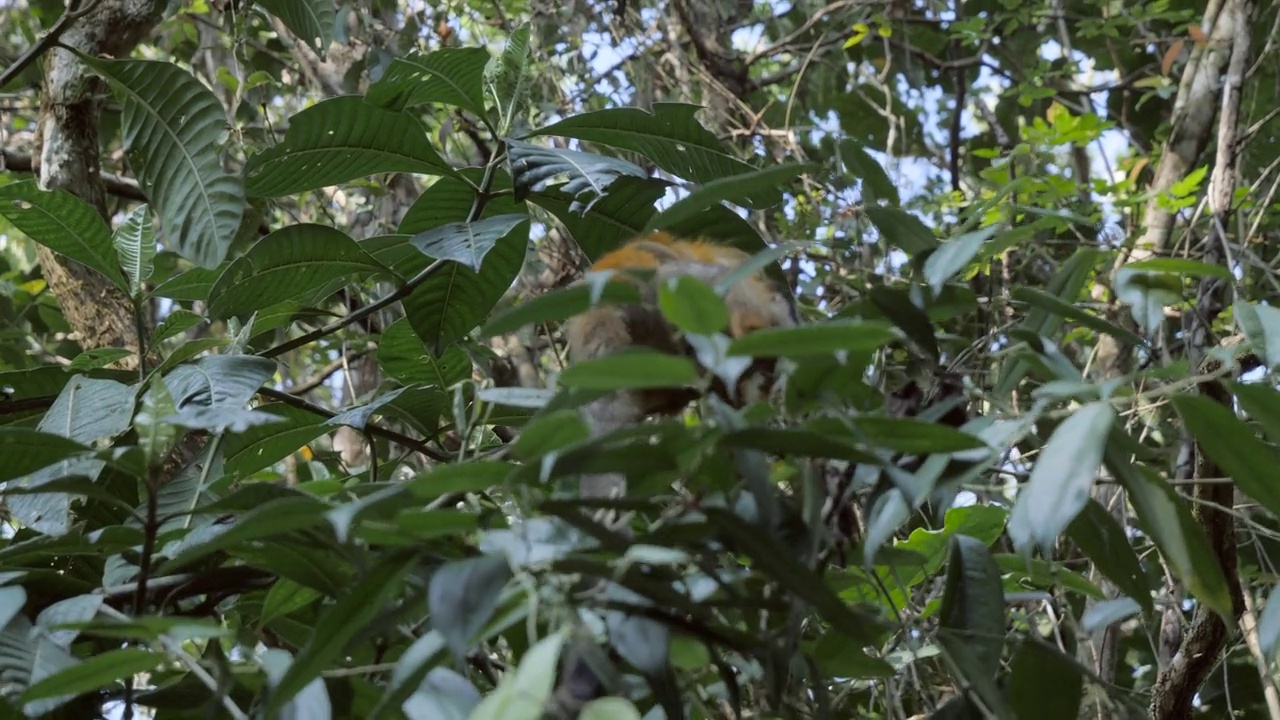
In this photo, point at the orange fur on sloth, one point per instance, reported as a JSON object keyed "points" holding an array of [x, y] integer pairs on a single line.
{"points": [[754, 302]]}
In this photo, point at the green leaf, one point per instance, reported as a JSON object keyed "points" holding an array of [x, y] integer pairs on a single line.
{"points": [[1104, 541], [508, 82], [444, 694], [1232, 446], [172, 126], [135, 242], [456, 299], [219, 380], [289, 264], [311, 20], [1166, 519], [756, 183], [1147, 294], [450, 76], [901, 229], [339, 140], [558, 305], [99, 358], [953, 256], [97, 672], [631, 370], [463, 596], [766, 553], [897, 307], [1055, 306], [609, 708], [193, 284], [1262, 403], [337, 625], [608, 222], [155, 435], [532, 166], [670, 136], [1269, 627], [12, 599], [971, 620], [1181, 266], [460, 478], [466, 243], [791, 442], [521, 695], [876, 184], [692, 305], [260, 447], [915, 436], [178, 321], [403, 356], [63, 223], [1061, 478], [1044, 683], [276, 517], [814, 339], [1261, 325]]}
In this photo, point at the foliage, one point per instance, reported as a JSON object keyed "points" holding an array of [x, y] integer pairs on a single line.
{"points": [[231, 518]]}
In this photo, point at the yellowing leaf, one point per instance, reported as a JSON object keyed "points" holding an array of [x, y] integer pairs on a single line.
{"points": [[859, 34], [884, 31]]}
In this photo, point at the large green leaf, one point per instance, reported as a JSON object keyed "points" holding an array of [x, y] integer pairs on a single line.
{"points": [[339, 623], [451, 76], [63, 223], [670, 136], [294, 263], [1103, 539], [1166, 519], [637, 369], [172, 127], [259, 447], [25, 450], [219, 380], [971, 620], [456, 299], [339, 140], [876, 184], [901, 229], [403, 356], [755, 183], [97, 672], [816, 339], [463, 597], [590, 174], [135, 241], [1045, 683], [466, 243], [609, 221], [87, 410], [1233, 446], [310, 20], [1062, 478]]}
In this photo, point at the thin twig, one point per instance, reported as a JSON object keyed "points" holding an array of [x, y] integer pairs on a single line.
{"points": [[45, 43]]}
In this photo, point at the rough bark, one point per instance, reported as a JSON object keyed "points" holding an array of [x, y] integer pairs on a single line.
{"points": [[67, 137]]}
